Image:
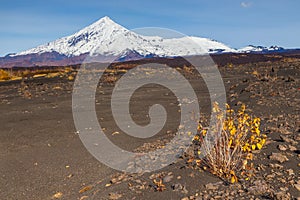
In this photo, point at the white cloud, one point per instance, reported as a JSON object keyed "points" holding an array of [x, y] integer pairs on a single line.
{"points": [[246, 4]]}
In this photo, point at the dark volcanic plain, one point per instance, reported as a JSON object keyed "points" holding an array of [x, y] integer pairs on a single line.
{"points": [[42, 157]]}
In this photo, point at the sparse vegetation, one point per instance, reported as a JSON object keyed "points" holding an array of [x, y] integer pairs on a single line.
{"points": [[19, 74], [239, 135], [4, 75]]}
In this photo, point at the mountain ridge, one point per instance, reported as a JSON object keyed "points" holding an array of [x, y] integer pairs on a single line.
{"points": [[109, 39]]}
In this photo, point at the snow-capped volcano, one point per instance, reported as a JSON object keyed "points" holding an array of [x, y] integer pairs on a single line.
{"points": [[109, 40], [105, 37]]}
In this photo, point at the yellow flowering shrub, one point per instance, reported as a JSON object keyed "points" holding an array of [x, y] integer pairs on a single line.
{"points": [[238, 136], [4, 75]]}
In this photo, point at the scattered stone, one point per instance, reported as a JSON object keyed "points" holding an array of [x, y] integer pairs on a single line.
{"points": [[282, 196], [217, 197], [259, 187], [241, 191], [270, 176], [285, 131], [297, 186], [57, 195], [113, 180], [282, 147], [116, 133], [168, 178], [290, 172], [86, 188], [282, 180], [206, 196], [211, 186], [279, 157], [292, 148], [70, 176], [114, 196], [276, 166], [278, 173], [177, 187], [288, 140], [284, 189]]}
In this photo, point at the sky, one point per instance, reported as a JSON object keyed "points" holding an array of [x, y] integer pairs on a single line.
{"points": [[27, 24]]}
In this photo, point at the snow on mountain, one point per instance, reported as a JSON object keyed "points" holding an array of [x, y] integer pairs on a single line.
{"points": [[259, 49], [111, 37], [105, 37], [188, 46]]}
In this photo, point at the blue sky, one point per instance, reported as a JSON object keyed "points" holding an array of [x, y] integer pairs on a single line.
{"points": [[26, 24]]}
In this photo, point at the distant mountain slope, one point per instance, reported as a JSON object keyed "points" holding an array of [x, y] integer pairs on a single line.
{"points": [[261, 49], [109, 39]]}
